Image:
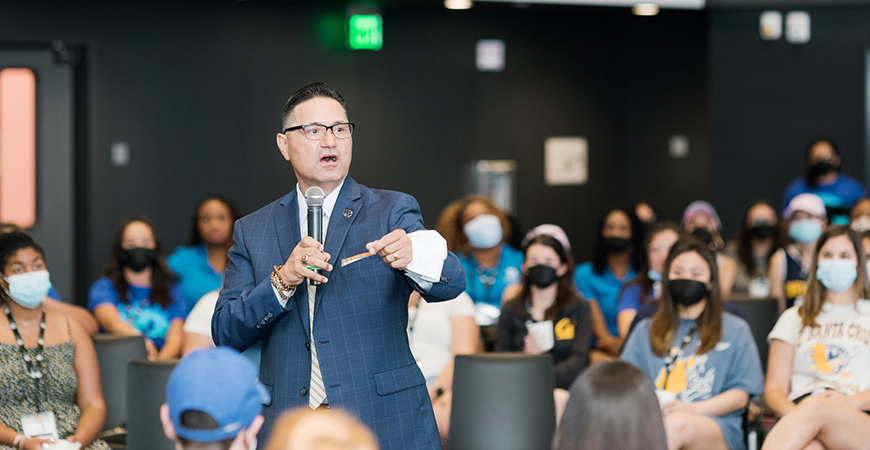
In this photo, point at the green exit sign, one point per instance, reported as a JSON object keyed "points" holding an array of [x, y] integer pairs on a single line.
{"points": [[365, 32]]}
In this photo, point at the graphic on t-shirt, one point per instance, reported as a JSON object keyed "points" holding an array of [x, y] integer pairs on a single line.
{"points": [[690, 377], [147, 318], [564, 329], [828, 359], [795, 288]]}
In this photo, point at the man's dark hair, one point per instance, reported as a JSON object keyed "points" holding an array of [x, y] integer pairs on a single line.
{"points": [[194, 419], [313, 90]]}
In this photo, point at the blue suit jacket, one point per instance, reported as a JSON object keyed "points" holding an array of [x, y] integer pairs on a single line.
{"points": [[360, 315]]}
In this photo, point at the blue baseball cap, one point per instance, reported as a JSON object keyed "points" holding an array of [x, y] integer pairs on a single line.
{"points": [[218, 381]]}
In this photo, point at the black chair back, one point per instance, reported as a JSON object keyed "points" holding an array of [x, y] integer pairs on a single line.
{"points": [[146, 391], [503, 401], [761, 315], [114, 353]]}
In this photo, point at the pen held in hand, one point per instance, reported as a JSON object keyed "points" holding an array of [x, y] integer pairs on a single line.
{"points": [[355, 258]]}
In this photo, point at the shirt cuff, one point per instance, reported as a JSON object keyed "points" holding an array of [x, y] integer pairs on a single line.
{"points": [[429, 252], [282, 300]]}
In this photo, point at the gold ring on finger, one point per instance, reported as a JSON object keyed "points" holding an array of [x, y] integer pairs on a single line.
{"points": [[395, 257], [304, 259]]}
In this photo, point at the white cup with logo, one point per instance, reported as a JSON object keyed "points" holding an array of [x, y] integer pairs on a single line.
{"points": [[542, 334]]}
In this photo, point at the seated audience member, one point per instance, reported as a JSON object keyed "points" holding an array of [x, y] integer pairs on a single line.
{"points": [[612, 405], [615, 260], [696, 354], [137, 294], [197, 325], [859, 217], [477, 230], [822, 423], [820, 348], [437, 332], [197, 329], [701, 220], [53, 300], [323, 429], [838, 192], [200, 266], [646, 288], [756, 242], [789, 267], [48, 360], [214, 402], [547, 315]]}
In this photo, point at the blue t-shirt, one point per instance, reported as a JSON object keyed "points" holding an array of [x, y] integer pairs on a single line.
{"points": [[486, 286], [195, 275], [149, 318], [54, 294], [630, 298], [603, 288], [843, 194], [732, 364]]}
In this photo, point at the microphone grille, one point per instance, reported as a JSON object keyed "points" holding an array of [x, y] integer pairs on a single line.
{"points": [[314, 196]]}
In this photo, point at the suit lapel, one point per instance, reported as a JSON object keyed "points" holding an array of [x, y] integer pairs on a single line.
{"points": [[287, 226], [287, 230], [345, 212]]}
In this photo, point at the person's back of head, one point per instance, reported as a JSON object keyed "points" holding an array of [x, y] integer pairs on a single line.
{"points": [[214, 401], [612, 405], [333, 429]]}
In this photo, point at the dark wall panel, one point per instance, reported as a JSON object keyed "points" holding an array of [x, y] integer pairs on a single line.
{"points": [[196, 89], [769, 98]]}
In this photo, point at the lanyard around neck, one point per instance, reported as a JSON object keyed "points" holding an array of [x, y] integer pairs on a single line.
{"points": [[671, 360], [34, 365]]}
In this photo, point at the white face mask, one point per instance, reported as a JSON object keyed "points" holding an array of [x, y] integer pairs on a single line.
{"points": [[484, 231], [29, 289]]}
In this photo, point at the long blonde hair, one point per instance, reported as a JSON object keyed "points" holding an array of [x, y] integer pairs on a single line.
{"points": [[814, 298]]}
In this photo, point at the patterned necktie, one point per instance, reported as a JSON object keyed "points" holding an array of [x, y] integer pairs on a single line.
{"points": [[316, 391]]}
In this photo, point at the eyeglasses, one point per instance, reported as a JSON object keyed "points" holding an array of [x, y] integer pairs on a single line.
{"points": [[316, 132]]}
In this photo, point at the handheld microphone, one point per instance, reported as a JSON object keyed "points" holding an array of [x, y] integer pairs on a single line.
{"points": [[314, 197]]}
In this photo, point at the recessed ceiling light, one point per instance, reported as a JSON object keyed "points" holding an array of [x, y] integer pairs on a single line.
{"points": [[457, 4], [645, 9]]}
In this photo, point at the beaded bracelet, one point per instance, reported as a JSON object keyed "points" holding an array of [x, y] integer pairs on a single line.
{"points": [[280, 285]]}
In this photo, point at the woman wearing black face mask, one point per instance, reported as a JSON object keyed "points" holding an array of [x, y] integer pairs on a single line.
{"points": [[547, 315], [756, 242], [137, 294], [615, 261], [703, 362], [840, 192]]}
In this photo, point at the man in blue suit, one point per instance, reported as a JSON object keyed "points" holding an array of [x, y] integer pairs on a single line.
{"points": [[348, 348]]}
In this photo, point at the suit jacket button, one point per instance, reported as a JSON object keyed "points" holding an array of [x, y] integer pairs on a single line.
{"points": [[308, 346], [303, 392]]}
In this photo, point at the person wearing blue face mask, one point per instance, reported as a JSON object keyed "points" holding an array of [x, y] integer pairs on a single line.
{"points": [[805, 219], [47, 360], [477, 230], [819, 350]]}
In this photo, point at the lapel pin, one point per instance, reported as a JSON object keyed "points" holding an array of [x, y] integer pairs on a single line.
{"points": [[346, 213]]}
